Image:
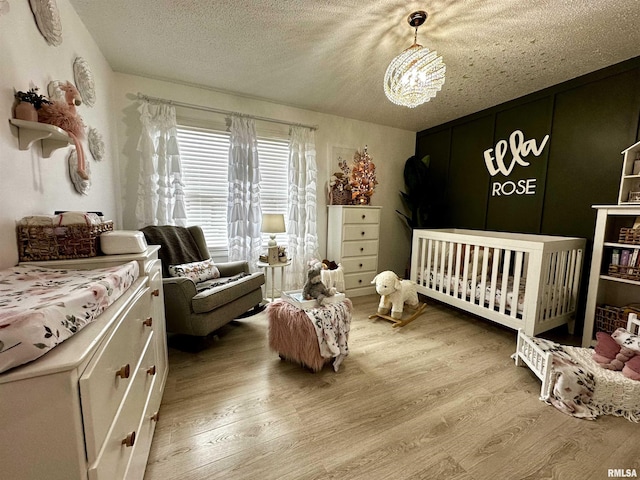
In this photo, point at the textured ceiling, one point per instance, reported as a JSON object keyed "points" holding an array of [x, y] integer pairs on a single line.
{"points": [[330, 56]]}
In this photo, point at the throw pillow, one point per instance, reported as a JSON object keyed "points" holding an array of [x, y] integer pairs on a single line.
{"points": [[606, 347], [196, 271], [627, 339], [632, 368]]}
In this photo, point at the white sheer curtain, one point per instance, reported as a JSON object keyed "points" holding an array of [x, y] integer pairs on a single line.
{"points": [[160, 188], [303, 237], [243, 206]]}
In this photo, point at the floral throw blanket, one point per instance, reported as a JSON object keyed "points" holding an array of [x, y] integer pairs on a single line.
{"points": [[332, 323], [42, 307]]}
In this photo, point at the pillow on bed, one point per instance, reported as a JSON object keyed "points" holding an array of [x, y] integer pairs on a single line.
{"points": [[196, 271], [606, 348], [627, 339], [631, 369]]}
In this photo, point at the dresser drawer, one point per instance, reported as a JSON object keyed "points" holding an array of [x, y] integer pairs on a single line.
{"points": [[357, 280], [362, 215], [365, 247], [360, 232], [361, 264], [105, 382], [115, 455]]}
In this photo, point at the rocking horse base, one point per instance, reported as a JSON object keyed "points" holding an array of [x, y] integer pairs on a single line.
{"points": [[401, 322]]}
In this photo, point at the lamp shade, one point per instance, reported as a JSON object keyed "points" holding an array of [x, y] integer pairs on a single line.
{"points": [[272, 223]]}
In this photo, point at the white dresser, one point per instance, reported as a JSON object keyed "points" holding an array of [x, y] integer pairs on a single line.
{"points": [[87, 409], [352, 240]]}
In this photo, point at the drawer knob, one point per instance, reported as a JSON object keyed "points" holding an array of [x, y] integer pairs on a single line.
{"points": [[360, 281], [155, 417], [124, 371], [151, 370], [362, 233], [360, 265], [148, 322], [155, 293], [362, 249], [129, 440], [364, 216]]}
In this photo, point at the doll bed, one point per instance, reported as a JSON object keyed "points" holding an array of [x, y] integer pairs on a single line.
{"points": [[574, 383], [517, 280], [42, 307]]}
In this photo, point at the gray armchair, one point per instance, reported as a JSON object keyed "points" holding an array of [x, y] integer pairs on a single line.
{"points": [[197, 309]]}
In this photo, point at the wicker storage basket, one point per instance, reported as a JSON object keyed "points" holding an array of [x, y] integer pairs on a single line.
{"points": [[628, 273], [609, 318], [39, 242], [629, 235]]}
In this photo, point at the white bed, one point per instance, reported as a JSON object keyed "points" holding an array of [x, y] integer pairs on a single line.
{"points": [[574, 383], [521, 281]]}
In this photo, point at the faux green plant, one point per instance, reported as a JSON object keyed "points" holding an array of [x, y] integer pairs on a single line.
{"points": [[416, 198]]}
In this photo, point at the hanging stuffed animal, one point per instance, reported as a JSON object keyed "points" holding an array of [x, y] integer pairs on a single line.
{"points": [[63, 114]]}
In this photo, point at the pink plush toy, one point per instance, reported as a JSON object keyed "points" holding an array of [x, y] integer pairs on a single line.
{"points": [[63, 114]]}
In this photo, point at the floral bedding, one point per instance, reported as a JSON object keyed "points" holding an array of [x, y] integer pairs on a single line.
{"points": [[42, 307], [467, 289], [583, 389]]}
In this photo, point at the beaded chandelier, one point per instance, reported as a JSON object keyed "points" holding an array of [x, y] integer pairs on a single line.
{"points": [[417, 74]]}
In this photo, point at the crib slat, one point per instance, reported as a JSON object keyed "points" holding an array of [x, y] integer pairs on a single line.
{"points": [[494, 278], [474, 272], [515, 294], [456, 286], [426, 268], [506, 266], [483, 276], [465, 275], [449, 268]]}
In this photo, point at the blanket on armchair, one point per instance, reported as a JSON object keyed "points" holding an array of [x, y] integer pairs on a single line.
{"points": [[178, 245]]}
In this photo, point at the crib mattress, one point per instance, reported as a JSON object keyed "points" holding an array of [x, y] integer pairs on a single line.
{"points": [[466, 289], [42, 307]]}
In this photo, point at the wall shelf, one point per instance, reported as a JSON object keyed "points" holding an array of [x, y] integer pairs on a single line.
{"points": [[52, 137]]}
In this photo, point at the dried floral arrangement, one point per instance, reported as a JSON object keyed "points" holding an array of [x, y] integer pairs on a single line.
{"points": [[363, 178], [339, 184], [33, 97]]}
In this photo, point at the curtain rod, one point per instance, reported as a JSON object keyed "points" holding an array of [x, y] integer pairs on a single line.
{"points": [[223, 112]]}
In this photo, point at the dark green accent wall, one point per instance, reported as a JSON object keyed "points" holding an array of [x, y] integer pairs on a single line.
{"points": [[589, 120]]}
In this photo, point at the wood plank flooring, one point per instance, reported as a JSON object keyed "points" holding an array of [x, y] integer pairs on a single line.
{"points": [[437, 399]]}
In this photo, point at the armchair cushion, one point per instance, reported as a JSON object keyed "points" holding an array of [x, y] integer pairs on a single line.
{"points": [[196, 271]]}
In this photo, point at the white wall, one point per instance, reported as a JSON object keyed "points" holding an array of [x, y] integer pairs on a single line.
{"points": [[388, 147], [30, 184]]}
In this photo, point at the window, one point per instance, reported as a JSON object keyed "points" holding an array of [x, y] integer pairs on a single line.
{"points": [[205, 156]]}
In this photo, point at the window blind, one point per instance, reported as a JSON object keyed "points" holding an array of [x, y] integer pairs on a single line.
{"points": [[205, 156]]}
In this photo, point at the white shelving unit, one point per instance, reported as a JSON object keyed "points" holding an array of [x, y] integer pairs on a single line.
{"points": [[630, 181], [52, 137], [605, 289]]}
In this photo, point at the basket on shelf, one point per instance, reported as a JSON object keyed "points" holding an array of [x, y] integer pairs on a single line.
{"points": [[45, 242], [629, 235], [609, 318], [625, 272]]}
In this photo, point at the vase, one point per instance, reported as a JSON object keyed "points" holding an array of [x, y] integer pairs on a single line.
{"points": [[26, 111], [340, 197]]}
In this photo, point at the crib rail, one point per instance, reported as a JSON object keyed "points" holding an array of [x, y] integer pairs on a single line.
{"points": [[521, 281]]}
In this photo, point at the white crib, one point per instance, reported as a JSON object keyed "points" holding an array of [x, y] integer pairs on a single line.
{"points": [[521, 281]]}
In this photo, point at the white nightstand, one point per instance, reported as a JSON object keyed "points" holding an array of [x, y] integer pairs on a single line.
{"points": [[272, 267]]}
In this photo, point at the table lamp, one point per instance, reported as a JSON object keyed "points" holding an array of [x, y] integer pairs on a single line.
{"points": [[272, 223]]}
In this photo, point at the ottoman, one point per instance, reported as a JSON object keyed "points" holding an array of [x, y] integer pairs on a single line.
{"points": [[293, 335]]}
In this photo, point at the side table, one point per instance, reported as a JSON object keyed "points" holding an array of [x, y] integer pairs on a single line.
{"points": [[272, 267]]}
